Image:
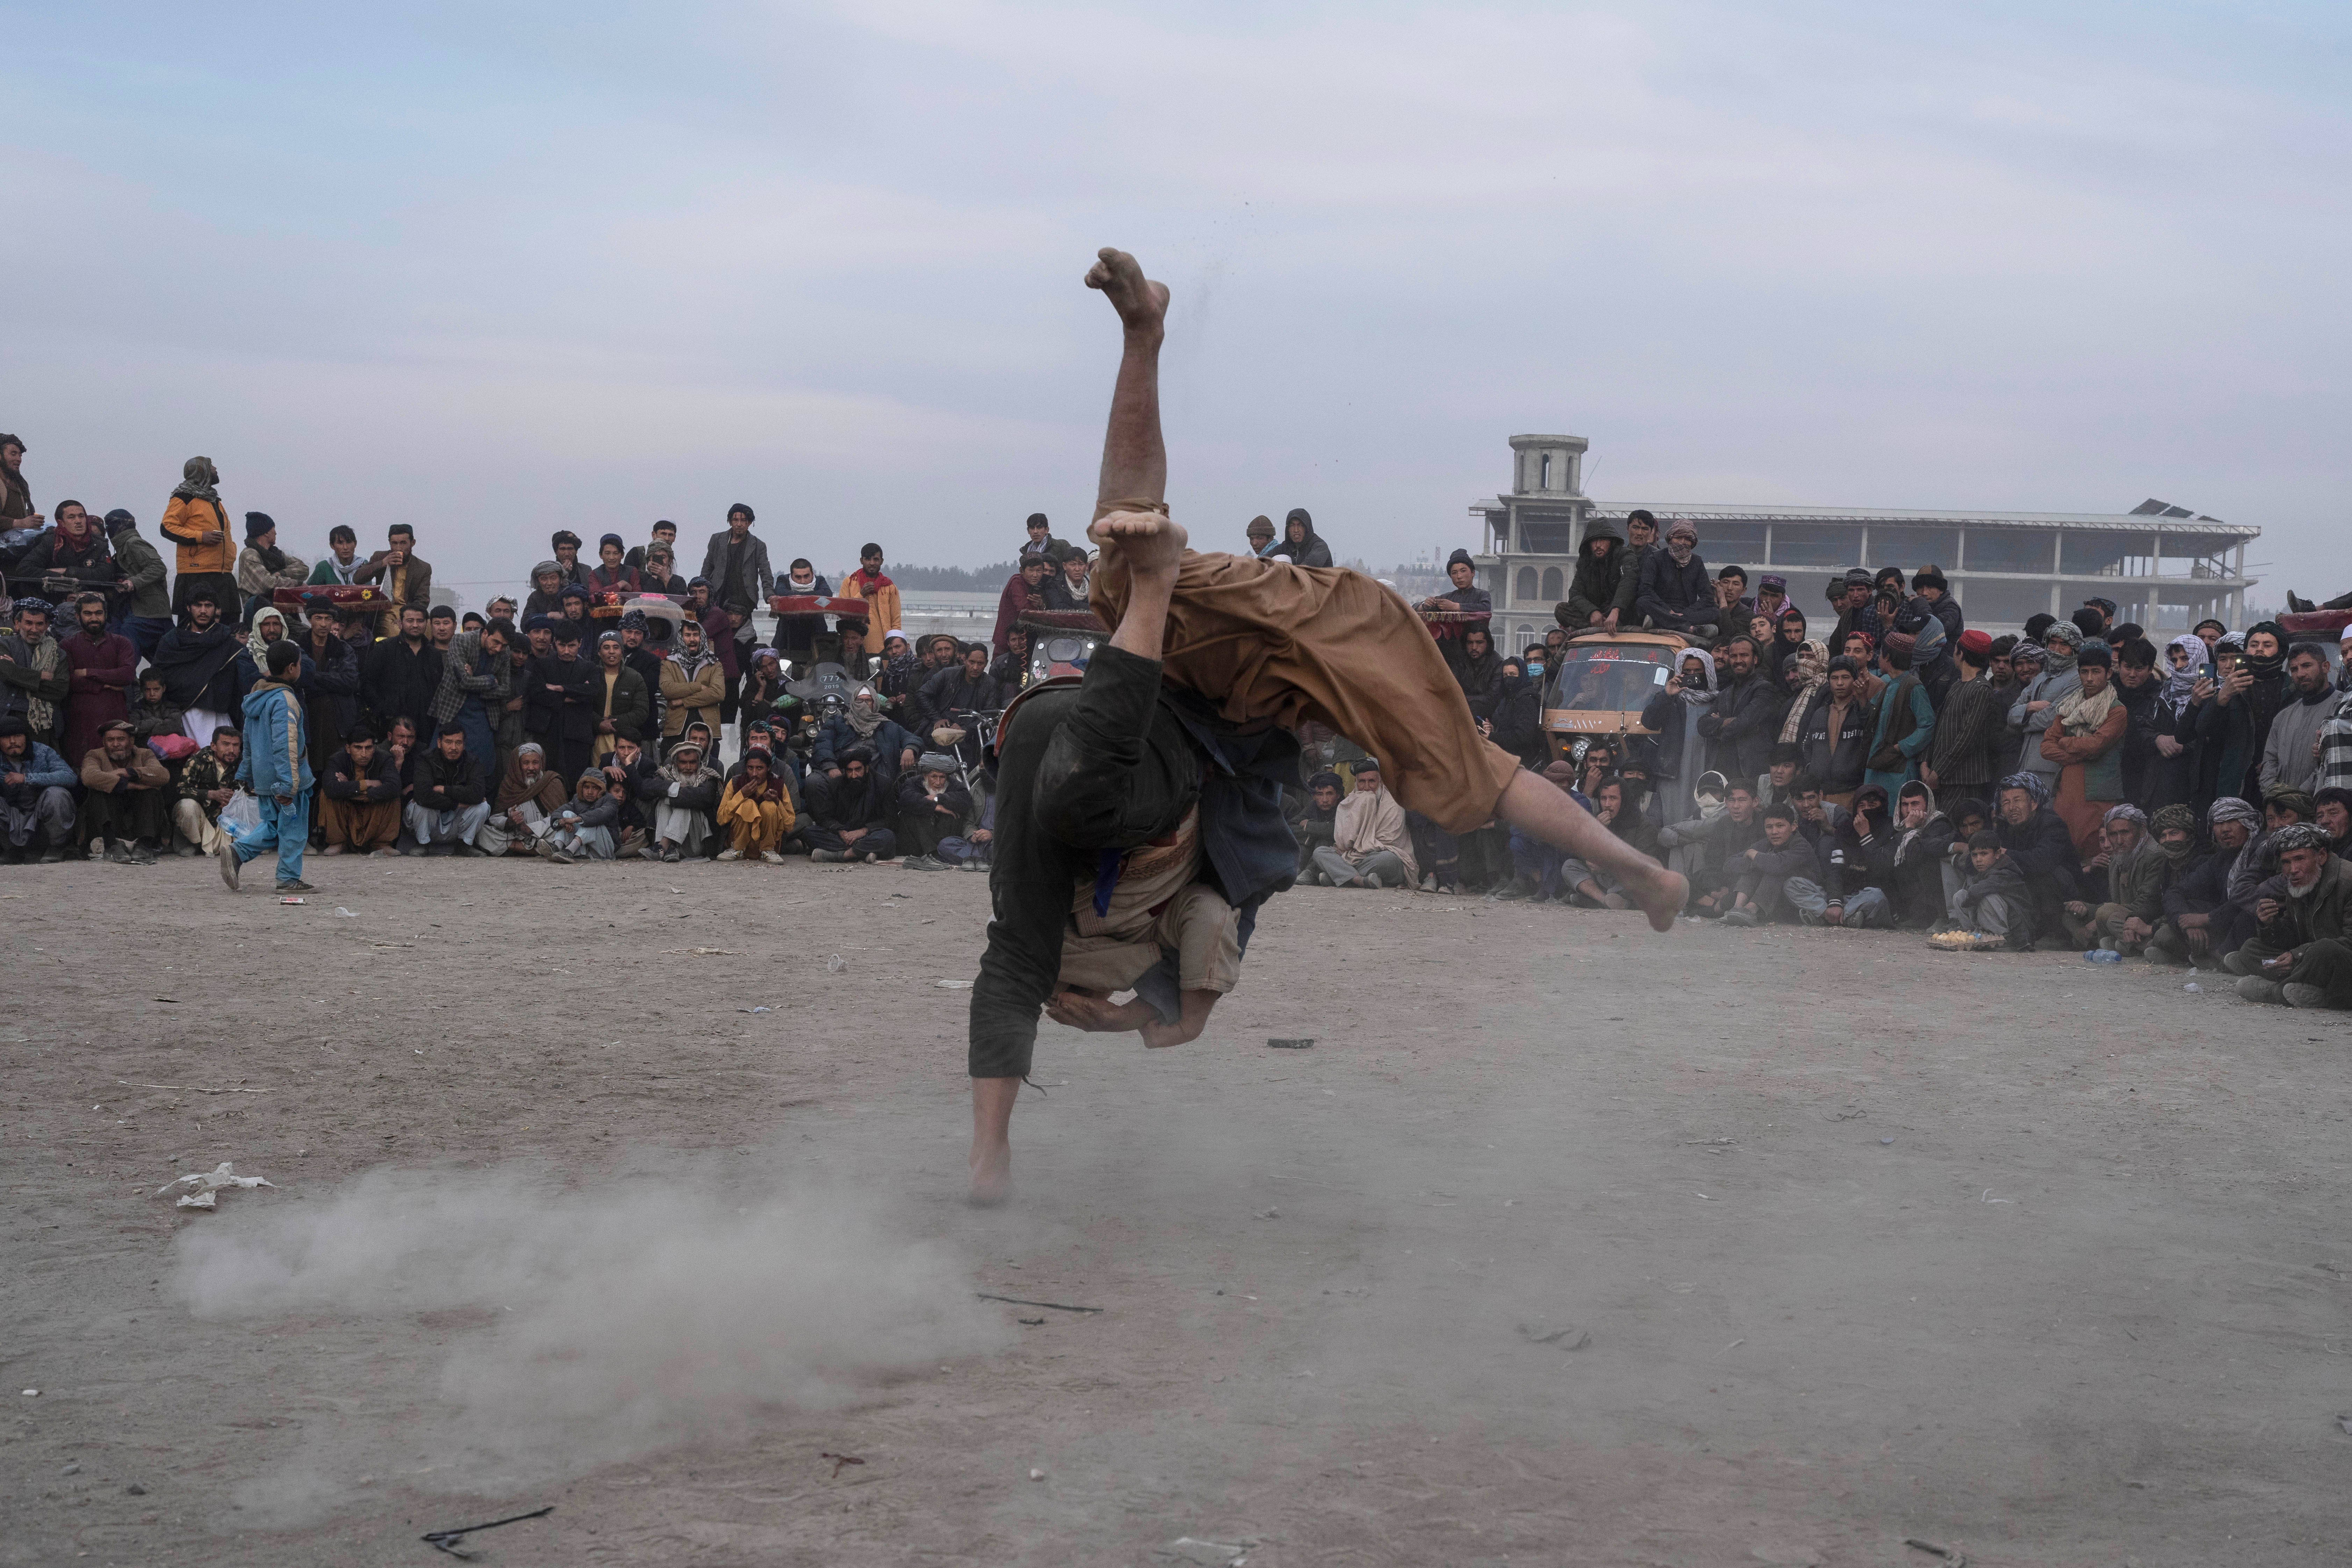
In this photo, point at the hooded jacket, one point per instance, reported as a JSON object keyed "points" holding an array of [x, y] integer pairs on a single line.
{"points": [[1481, 678], [277, 760], [1593, 589], [142, 563]]}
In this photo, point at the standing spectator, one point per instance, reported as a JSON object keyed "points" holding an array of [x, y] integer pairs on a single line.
{"points": [[408, 578], [72, 559], [559, 693], [1516, 725], [1066, 587], [196, 660], [474, 677], [2334, 768], [2171, 775], [261, 567], [1855, 601], [336, 567], [208, 782], [1301, 542], [446, 807], [1476, 669], [127, 809], [194, 519], [663, 536], [2036, 707], [1041, 540], [1743, 723], [570, 570], [546, 596], [2085, 741], [1966, 747], [276, 769], [146, 606], [1836, 731], [266, 627], [102, 667], [400, 675], [361, 810], [16, 498], [1935, 596], [617, 698], [330, 691], [36, 801], [693, 685], [2257, 691], [1905, 720], [736, 566], [1676, 752], [2289, 752], [881, 596], [933, 806], [34, 678], [718, 637]]}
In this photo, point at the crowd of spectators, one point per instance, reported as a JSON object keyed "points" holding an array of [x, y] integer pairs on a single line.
{"points": [[2077, 786]]}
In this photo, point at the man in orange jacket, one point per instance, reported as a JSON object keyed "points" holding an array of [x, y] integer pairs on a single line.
{"points": [[195, 522]]}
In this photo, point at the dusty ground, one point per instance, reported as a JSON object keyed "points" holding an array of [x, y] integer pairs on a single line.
{"points": [[2040, 1262]]}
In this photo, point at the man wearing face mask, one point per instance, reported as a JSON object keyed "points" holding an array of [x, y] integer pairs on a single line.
{"points": [[1675, 593]]}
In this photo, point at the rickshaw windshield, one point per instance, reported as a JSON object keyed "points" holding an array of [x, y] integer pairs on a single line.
{"points": [[1617, 677]]}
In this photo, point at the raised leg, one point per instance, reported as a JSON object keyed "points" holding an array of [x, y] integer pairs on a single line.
{"points": [[1543, 809]]}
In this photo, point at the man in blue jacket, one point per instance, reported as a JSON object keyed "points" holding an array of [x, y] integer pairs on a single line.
{"points": [[276, 769], [37, 804]]}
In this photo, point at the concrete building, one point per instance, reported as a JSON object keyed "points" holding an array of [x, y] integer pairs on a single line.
{"points": [[2164, 566]]}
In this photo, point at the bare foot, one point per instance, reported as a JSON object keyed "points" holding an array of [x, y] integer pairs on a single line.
{"points": [[1142, 304], [991, 1176], [1661, 894], [1148, 544]]}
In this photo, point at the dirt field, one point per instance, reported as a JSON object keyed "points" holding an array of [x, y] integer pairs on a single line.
{"points": [[1564, 1243]]}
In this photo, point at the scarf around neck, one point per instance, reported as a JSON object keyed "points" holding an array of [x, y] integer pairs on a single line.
{"points": [[198, 480], [864, 717], [2079, 711], [1812, 661], [255, 643]]}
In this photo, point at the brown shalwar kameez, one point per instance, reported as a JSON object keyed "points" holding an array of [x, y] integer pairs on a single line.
{"points": [[1269, 641]]}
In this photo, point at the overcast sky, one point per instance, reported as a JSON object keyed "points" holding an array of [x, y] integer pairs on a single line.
{"points": [[500, 269]]}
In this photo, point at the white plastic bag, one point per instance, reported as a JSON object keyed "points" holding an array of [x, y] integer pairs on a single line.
{"points": [[242, 814]]}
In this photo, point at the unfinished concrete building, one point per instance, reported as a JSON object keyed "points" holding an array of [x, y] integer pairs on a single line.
{"points": [[2164, 566]]}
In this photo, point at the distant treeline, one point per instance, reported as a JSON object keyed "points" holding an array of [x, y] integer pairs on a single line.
{"points": [[952, 578]]}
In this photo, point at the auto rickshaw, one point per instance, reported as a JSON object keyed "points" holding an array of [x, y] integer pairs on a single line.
{"points": [[1603, 682]]}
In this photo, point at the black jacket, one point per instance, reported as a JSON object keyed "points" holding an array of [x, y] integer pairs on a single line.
{"points": [[1594, 590], [330, 688], [1743, 723], [1518, 721], [915, 802], [566, 715], [837, 802], [1481, 678], [195, 667], [1839, 761], [946, 691], [444, 784], [2043, 853], [346, 781], [1675, 598], [397, 682]]}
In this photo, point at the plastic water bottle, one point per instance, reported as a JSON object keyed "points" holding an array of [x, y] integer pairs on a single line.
{"points": [[2103, 955]]}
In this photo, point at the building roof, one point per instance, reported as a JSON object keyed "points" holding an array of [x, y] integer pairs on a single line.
{"points": [[2172, 520]]}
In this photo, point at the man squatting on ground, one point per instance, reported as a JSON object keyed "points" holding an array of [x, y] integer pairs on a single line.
{"points": [[1140, 814]]}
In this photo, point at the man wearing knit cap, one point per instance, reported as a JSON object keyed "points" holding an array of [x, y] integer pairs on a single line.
{"points": [[1674, 594], [146, 606], [2298, 955], [1907, 720], [261, 567]]}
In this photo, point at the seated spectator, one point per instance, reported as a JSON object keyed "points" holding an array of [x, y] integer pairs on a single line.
{"points": [[1924, 875], [851, 808], [659, 574], [2332, 810], [1775, 788], [1616, 806], [972, 849], [863, 726], [613, 571], [208, 782], [629, 772], [1010, 668], [127, 809], [1718, 843], [261, 567], [583, 829], [1762, 872], [2298, 955], [764, 699], [1313, 822], [951, 697], [359, 806], [1671, 591], [1464, 595], [523, 806], [446, 805], [155, 713], [1855, 873], [2201, 920], [1992, 899], [618, 696], [2042, 852], [1370, 846], [2139, 872], [684, 795], [932, 806], [755, 812], [1538, 868], [37, 806]]}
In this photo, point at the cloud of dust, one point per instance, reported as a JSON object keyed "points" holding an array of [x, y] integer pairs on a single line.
{"points": [[645, 1312]]}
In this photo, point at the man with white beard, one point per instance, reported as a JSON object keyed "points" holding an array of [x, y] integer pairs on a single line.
{"points": [[2299, 956]]}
